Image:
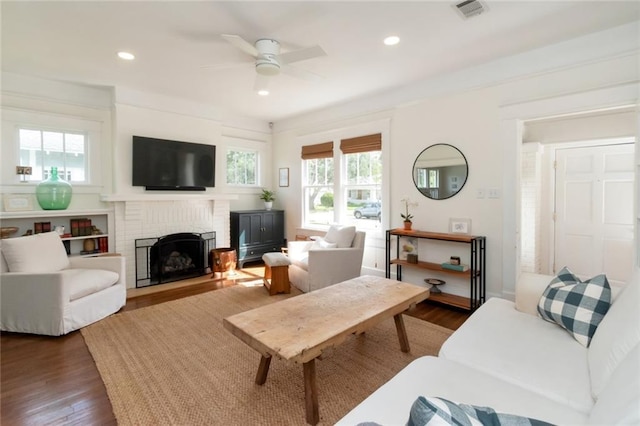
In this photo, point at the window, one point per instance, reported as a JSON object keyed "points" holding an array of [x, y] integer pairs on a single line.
{"points": [[362, 184], [242, 167], [352, 196], [318, 183], [43, 149]]}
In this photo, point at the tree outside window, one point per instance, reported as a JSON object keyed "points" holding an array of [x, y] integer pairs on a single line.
{"points": [[242, 167], [318, 191]]}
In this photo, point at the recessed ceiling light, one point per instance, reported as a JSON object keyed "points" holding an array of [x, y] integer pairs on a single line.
{"points": [[392, 40], [126, 56], [263, 92]]}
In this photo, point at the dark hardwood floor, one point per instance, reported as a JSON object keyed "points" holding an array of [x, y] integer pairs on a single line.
{"points": [[54, 381]]}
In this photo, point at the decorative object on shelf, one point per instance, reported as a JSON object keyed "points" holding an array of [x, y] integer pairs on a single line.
{"points": [[59, 229], [460, 226], [409, 246], [89, 245], [406, 216], [412, 258], [23, 172], [284, 177], [454, 260], [54, 193], [459, 267], [434, 283], [17, 202], [5, 231], [268, 197]]}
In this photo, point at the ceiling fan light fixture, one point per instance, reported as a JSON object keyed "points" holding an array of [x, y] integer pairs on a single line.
{"points": [[267, 68]]}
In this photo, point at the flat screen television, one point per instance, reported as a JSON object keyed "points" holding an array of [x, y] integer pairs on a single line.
{"points": [[161, 164]]}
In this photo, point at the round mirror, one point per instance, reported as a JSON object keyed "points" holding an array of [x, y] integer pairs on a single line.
{"points": [[440, 171]]}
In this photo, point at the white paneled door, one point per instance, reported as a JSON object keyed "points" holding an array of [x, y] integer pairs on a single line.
{"points": [[594, 211]]}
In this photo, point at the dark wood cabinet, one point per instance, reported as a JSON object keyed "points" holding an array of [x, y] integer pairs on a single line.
{"points": [[256, 232]]}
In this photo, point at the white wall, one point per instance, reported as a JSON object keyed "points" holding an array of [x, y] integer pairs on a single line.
{"points": [[484, 122], [33, 101]]}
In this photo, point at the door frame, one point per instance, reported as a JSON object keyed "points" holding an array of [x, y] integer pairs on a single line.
{"points": [[512, 118]]}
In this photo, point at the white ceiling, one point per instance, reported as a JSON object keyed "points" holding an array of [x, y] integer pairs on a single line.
{"points": [[179, 51]]}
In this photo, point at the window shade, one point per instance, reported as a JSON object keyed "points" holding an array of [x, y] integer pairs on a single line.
{"points": [[361, 144], [321, 150]]}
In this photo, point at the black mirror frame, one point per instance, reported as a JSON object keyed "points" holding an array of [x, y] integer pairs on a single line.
{"points": [[413, 174]]}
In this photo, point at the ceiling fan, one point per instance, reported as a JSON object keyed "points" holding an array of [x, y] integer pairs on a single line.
{"points": [[270, 62]]}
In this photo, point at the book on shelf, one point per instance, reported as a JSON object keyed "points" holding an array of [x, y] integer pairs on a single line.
{"points": [[40, 227], [452, 267], [75, 227], [103, 244]]}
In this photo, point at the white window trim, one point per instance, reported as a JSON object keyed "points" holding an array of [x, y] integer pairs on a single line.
{"points": [[13, 120], [380, 126], [243, 143]]}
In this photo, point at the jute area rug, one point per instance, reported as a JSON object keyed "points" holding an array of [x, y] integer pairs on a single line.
{"points": [[175, 364]]}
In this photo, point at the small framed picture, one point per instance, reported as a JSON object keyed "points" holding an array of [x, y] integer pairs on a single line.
{"points": [[460, 226], [18, 202], [284, 177]]}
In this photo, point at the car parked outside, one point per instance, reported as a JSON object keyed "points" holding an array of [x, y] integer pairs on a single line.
{"points": [[369, 210]]}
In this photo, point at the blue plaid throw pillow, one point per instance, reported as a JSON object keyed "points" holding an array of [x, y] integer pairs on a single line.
{"points": [[576, 306], [440, 411]]}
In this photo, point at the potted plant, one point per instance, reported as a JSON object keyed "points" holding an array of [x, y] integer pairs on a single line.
{"points": [[406, 216], [268, 197]]}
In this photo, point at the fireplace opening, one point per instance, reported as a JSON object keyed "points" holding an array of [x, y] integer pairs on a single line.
{"points": [[172, 257]]}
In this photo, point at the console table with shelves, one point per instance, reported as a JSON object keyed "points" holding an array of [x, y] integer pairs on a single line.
{"points": [[25, 220], [475, 274]]}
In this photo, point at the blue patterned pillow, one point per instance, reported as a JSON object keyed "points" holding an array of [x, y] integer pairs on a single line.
{"points": [[441, 411], [576, 306]]}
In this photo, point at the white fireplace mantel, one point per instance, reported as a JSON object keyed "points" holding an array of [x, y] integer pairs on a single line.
{"points": [[166, 197]]}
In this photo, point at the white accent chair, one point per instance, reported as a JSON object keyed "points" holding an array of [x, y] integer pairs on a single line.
{"points": [[43, 291], [335, 258]]}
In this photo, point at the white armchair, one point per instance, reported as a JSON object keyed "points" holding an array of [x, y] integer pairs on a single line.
{"points": [[42, 291], [316, 264]]}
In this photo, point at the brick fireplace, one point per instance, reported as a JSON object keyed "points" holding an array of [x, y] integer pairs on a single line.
{"points": [[142, 216]]}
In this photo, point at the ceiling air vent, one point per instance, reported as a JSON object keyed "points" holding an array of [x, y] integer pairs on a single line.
{"points": [[470, 8]]}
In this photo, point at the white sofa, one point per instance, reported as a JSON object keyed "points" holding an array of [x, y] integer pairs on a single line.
{"points": [[42, 291], [321, 263], [507, 358]]}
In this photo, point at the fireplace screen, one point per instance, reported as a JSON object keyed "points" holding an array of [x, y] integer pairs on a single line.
{"points": [[172, 257]]}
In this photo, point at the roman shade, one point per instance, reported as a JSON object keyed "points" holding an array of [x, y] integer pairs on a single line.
{"points": [[321, 150], [361, 144]]}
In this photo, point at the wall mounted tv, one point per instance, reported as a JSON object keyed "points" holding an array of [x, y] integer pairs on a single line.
{"points": [[160, 164]]}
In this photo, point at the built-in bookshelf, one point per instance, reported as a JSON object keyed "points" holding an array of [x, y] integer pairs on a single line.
{"points": [[94, 233]]}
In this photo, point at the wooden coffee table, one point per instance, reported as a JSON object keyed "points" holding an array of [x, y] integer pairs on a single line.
{"points": [[299, 329]]}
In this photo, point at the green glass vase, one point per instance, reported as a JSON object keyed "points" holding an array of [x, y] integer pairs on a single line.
{"points": [[54, 193]]}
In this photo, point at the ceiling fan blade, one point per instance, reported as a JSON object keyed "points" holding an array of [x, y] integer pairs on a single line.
{"points": [[241, 44], [261, 83], [301, 55], [300, 73]]}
